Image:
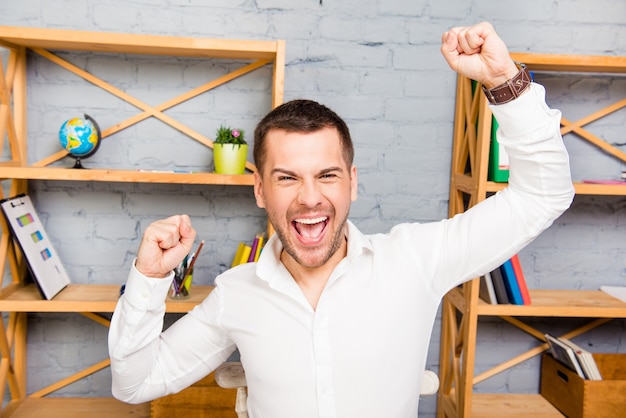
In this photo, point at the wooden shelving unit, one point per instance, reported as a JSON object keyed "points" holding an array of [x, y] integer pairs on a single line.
{"points": [[18, 298], [462, 307]]}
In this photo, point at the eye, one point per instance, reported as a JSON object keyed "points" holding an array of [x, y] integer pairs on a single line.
{"points": [[329, 175], [285, 178]]}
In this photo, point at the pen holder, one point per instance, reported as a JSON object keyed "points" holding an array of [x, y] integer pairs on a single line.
{"points": [[181, 286]]}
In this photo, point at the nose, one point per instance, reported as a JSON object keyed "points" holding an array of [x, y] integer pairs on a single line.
{"points": [[309, 194]]}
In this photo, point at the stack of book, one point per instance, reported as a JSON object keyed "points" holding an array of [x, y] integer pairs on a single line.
{"points": [[574, 357], [505, 284], [621, 181], [248, 253]]}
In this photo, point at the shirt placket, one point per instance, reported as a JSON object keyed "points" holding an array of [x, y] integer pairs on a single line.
{"points": [[323, 364]]}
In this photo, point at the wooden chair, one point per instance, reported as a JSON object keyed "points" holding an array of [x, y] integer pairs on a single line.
{"points": [[231, 375]]}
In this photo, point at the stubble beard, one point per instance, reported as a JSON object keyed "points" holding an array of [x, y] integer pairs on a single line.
{"points": [[335, 244]]}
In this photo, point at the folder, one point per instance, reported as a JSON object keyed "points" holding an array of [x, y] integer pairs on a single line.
{"points": [[27, 230]]}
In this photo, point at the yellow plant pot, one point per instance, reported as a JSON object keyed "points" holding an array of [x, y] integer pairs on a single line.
{"points": [[230, 158]]}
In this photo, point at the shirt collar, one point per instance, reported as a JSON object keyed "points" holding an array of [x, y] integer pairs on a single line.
{"points": [[270, 269]]}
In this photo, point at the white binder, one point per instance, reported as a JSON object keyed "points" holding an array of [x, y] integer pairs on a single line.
{"points": [[43, 261]]}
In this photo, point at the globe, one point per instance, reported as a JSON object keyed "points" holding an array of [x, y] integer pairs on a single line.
{"points": [[80, 137]]}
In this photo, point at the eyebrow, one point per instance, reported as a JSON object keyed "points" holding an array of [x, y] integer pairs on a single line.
{"points": [[293, 174], [283, 171], [331, 169]]}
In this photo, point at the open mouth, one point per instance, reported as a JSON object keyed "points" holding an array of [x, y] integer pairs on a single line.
{"points": [[310, 228]]}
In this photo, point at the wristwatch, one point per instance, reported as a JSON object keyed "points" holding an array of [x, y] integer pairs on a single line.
{"points": [[510, 89]]}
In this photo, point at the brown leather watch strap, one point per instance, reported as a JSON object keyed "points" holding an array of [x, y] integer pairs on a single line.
{"points": [[511, 89]]}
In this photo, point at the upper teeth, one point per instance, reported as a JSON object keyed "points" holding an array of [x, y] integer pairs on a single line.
{"points": [[311, 221]]}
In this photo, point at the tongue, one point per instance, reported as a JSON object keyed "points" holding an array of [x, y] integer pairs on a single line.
{"points": [[310, 231]]}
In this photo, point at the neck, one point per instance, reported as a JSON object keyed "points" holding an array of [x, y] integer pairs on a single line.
{"points": [[312, 280]]}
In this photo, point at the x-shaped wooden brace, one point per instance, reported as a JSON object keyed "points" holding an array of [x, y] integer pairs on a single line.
{"points": [[148, 111]]}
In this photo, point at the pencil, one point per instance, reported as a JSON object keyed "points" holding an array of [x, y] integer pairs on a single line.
{"points": [[193, 261]]}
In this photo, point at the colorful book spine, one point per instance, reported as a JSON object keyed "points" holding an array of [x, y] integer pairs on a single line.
{"points": [[521, 280], [259, 247], [510, 282], [499, 287], [253, 249], [245, 254], [238, 254], [248, 253], [498, 168], [487, 291]]}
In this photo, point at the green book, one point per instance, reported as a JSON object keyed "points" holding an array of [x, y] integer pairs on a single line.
{"points": [[498, 170]]}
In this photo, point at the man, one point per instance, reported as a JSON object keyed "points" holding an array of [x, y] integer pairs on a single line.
{"points": [[331, 322]]}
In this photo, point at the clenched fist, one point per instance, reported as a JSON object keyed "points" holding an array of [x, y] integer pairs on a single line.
{"points": [[164, 245], [478, 53]]}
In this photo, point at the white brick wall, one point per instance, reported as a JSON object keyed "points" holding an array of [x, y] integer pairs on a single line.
{"points": [[377, 64]]}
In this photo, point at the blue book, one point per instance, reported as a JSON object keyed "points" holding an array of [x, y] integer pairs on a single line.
{"points": [[510, 283]]}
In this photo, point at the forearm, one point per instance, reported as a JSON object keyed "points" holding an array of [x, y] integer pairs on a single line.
{"points": [[540, 189], [539, 164], [134, 334], [147, 363]]}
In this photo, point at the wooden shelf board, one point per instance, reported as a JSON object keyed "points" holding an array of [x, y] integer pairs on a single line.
{"points": [[512, 405], [75, 408], [572, 63], [84, 298], [466, 184], [600, 189], [553, 303], [581, 188], [59, 39], [125, 176], [562, 303]]}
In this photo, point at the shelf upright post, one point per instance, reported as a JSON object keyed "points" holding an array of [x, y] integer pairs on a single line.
{"points": [[13, 123], [20, 110]]}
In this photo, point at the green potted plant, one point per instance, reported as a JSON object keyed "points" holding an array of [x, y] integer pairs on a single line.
{"points": [[230, 151]]}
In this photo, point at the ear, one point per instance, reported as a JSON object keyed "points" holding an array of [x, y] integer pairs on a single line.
{"points": [[258, 190], [354, 183]]}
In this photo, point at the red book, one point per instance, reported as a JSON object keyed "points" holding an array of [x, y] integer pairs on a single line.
{"points": [[521, 281]]}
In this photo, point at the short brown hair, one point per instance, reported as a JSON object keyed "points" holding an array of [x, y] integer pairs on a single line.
{"points": [[301, 116]]}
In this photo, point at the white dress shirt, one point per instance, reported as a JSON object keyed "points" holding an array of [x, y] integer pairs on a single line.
{"points": [[362, 352]]}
